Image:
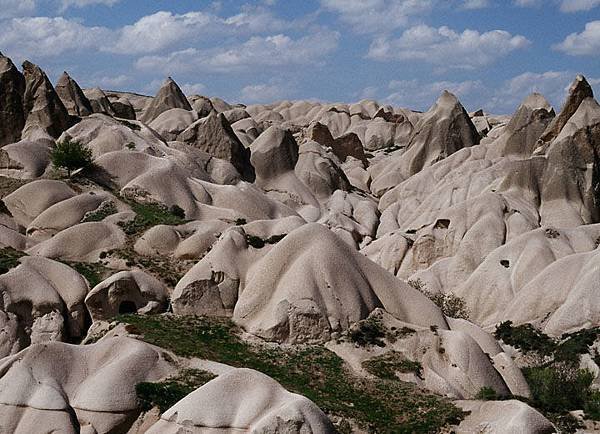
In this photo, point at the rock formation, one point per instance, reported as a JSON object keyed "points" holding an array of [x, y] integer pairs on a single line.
{"points": [[12, 90], [44, 111]]}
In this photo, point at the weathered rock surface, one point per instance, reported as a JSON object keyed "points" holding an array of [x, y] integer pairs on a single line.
{"points": [[12, 90]]}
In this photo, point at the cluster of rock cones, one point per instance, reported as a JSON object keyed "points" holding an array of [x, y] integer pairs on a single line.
{"points": [[301, 219]]}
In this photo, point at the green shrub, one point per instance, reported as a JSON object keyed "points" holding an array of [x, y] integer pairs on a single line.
{"points": [[71, 155], [559, 388], [450, 304], [487, 394], [368, 332], [526, 337]]}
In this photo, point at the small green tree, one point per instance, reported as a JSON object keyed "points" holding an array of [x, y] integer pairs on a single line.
{"points": [[71, 155]]}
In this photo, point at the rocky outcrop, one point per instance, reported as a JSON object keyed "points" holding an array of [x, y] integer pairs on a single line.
{"points": [[223, 402], [169, 96], [99, 101], [72, 96], [213, 134], [579, 90], [12, 89], [45, 113], [347, 145]]}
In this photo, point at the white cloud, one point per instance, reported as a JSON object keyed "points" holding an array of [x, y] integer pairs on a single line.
{"points": [[551, 84], [418, 95], [110, 82], [47, 37], [376, 16], [527, 3], [258, 51], [475, 4], [261, 93], [83, 3], [192, 88], [16, 8], [578, 5], [446, 47], [163, 29], [584, 43]]}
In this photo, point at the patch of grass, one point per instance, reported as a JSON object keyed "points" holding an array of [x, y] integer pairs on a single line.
{"points": [[148, 215], [386, 366], [105, 209], [165, 269], [165, 394], [9, 258], [93, 272], [382, 406]]}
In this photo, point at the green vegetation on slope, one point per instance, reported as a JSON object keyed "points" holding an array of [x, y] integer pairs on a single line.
{"points": [[557, 383], [165, 394], [151, 214], [9, 258], [380, 405]]}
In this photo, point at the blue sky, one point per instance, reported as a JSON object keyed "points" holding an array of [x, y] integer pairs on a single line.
{"points": [[491, 53]]}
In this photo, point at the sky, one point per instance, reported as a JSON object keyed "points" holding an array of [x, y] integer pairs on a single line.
{"points": [[490, 53]]}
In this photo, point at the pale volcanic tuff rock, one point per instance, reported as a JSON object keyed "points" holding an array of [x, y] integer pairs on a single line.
{"points": [[99, 101], [46, 116], [443, 130], [169, 96], [25, 159], [297, 290], [496, 417], [126, 292], [214, 135], [579, 90], [12, 90], [68, 388], [72, 96], [223, 404], [123, 108], [344, 146], [42, 302]]}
